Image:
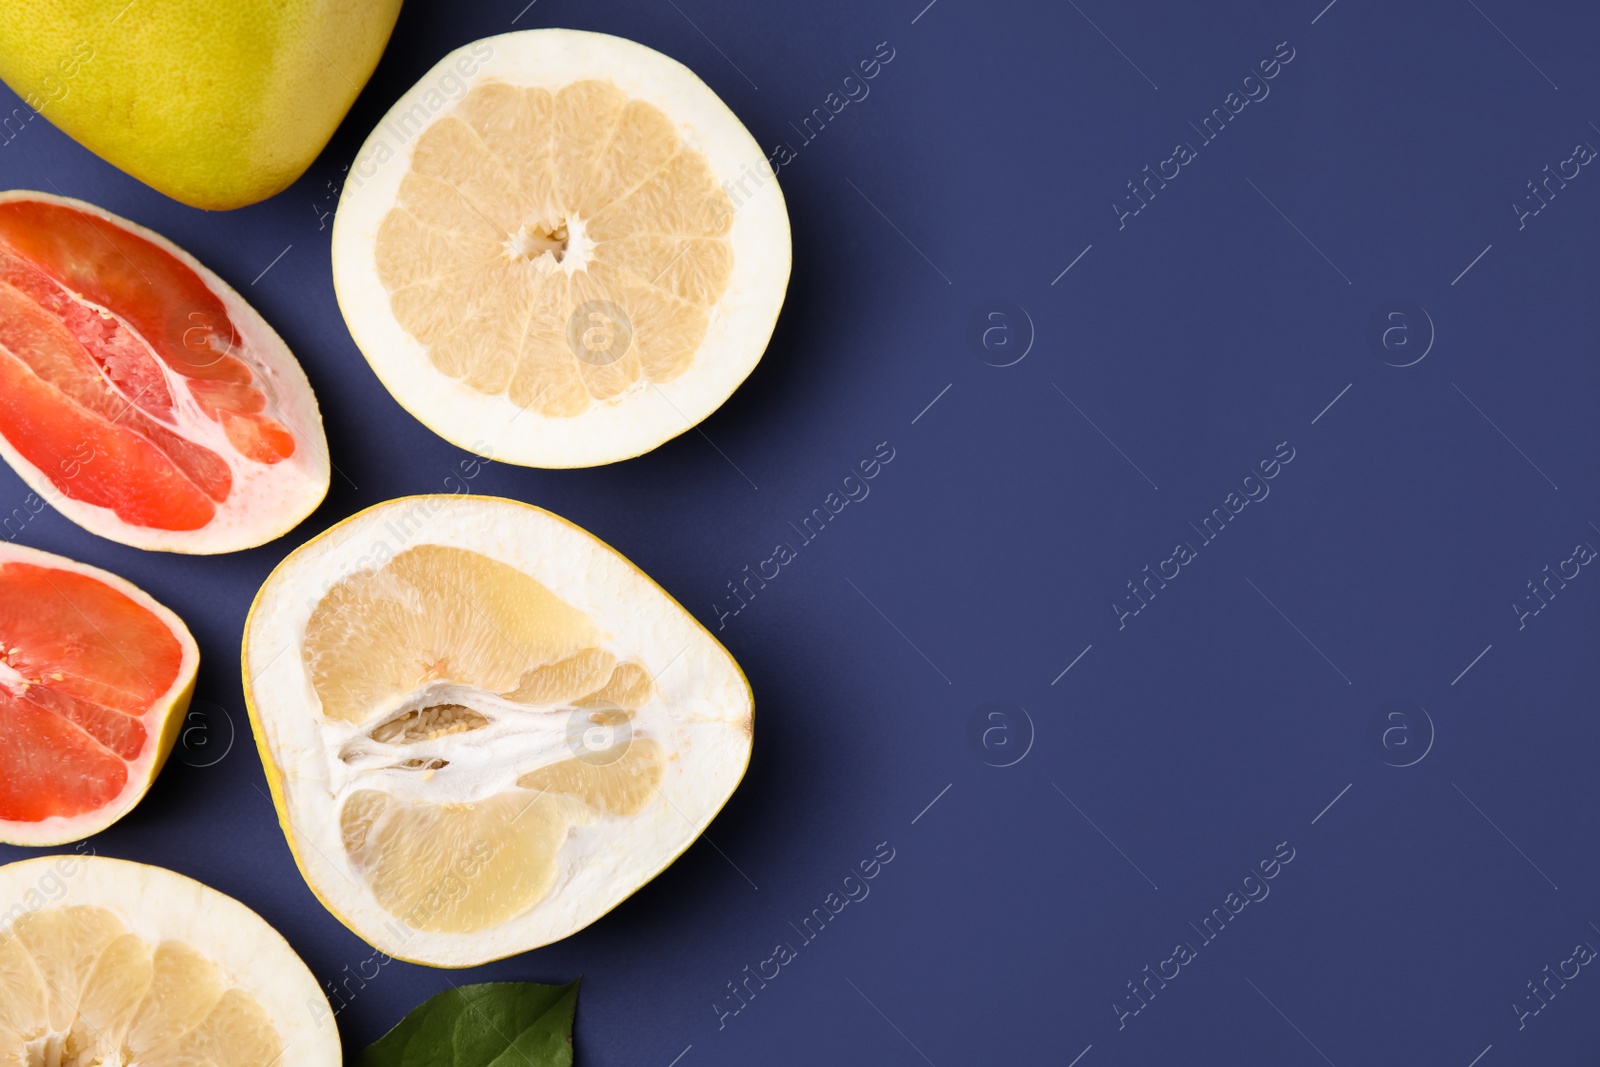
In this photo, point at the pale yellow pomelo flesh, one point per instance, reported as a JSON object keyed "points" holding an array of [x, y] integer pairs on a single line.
{"points": [[105, 962], [575, 258], [525, 205], [484, 734]]}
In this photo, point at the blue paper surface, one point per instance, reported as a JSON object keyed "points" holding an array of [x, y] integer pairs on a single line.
{"points": [[1240, 392]]}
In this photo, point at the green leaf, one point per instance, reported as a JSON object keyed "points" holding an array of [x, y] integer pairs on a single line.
{"points": [[497, 1024]]}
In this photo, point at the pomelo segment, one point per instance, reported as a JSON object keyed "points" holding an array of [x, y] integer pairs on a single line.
{"points": [[95, 677], [105, 962], [484, 728], [142, 396], [576, 257]]}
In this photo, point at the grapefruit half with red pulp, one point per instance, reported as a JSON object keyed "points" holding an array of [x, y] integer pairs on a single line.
{"points": [[139, 394], [95, 677]]}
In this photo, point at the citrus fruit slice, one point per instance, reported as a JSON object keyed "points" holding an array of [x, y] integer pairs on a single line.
{"points": [[94, 680], [142, 396], [105, 962], [565, 258], [484, 728]]}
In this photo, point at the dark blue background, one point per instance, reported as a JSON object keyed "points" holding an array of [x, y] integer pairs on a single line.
{"points": [[991, 549]]}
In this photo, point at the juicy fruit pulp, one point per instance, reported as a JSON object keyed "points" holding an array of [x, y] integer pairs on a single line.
{"points": [[556, 247], [70, 699], [482, 739], [92, 681], [109, 348], [133, 388], [437, 643], [105, 963], [78, 988]]}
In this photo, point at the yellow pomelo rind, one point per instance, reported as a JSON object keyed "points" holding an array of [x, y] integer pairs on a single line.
{"points": [[215, 105]]}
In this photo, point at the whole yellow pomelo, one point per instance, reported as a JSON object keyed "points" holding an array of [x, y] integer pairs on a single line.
{"points": [[217, 103]]}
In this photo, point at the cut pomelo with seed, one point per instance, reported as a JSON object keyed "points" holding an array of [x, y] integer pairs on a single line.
{"points": [[139, 394], [484, 728], [105, 963], [561, 249], [95, 677]]}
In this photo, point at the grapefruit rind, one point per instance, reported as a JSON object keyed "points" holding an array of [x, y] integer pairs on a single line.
{"points": [[636, 615], [647, 415], [158, 905], [166, 715], [263, 505]]}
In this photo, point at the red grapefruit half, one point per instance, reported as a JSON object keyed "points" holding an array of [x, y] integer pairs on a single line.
{"points": [[139, 394], [95, 677]]}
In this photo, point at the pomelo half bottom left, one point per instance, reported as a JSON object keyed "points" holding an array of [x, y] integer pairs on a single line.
{"points": [[105, 962]]}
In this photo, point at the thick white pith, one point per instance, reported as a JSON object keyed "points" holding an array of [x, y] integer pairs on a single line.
{"points": [[477, 761]]}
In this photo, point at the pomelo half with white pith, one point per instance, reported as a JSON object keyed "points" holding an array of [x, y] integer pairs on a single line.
{"points": [[105, 962], [482, 726], [561, 249], [139, 394], [95, 677]]}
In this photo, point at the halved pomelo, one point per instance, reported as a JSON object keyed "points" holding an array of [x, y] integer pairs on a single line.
{"points": [[142, 396], [105, 963], [483, 727], [95, 677], [561, 249]]}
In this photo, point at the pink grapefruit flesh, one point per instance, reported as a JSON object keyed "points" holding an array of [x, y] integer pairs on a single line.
{"points": [[139, 393], [94, 680]]}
